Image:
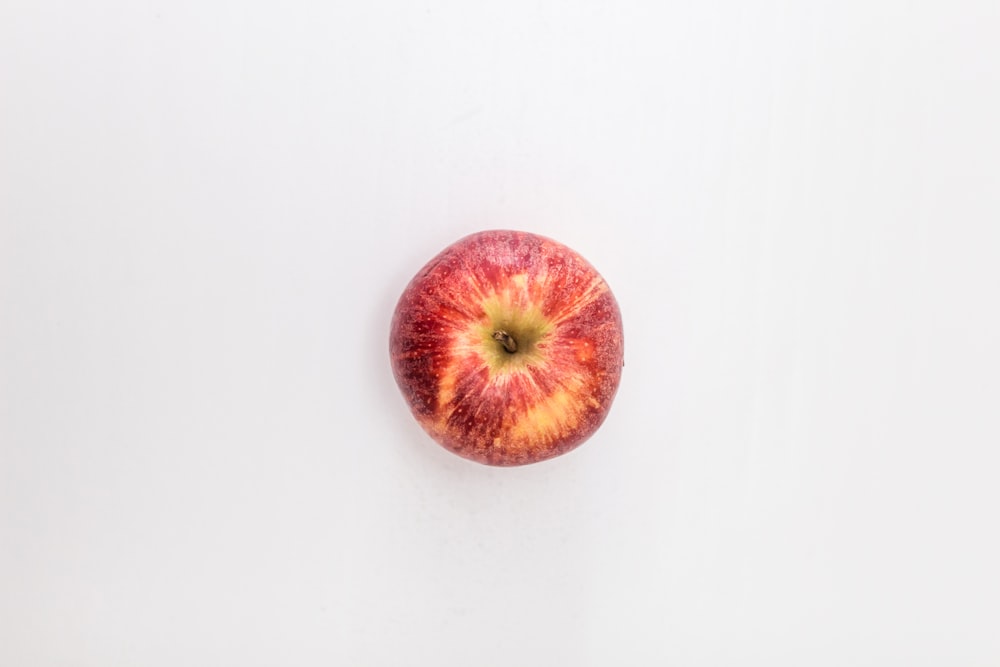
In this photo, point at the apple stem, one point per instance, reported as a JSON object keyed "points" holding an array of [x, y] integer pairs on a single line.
{"points": [[506, 340]]}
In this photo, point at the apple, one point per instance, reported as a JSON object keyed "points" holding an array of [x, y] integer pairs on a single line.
{"points": [[508, 347]]}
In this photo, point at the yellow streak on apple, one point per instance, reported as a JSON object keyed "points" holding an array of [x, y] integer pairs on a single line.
{"points": [[594, 290], [548, 420]]}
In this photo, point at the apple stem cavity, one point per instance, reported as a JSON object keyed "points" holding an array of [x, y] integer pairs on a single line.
{"points": [[505, 339]]}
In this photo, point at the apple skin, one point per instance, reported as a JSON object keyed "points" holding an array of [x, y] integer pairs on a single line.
{"points": [[451, 332]]}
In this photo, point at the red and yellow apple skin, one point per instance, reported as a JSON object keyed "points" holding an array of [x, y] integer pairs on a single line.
{"points": [[508, 347]]}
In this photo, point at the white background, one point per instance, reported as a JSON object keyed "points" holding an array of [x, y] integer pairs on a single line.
{"points": [[208, 210]]}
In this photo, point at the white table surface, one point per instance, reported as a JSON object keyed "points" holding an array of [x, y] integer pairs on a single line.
{"points": [[208, 210]]}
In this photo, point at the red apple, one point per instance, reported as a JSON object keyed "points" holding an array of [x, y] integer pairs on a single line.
{"points": [[508, 347]]}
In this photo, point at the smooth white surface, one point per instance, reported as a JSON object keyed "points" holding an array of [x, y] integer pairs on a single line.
{"points": [[208, 210]]}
